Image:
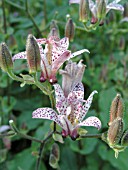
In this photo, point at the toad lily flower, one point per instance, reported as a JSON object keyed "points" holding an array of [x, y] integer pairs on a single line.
{"points": [[93, 6], [71, 111], [52, 57]]}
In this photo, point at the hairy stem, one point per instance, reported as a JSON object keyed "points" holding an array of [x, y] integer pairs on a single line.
{"points": [[91, 136], [41, 150]]}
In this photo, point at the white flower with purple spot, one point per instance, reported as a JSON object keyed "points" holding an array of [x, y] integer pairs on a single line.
{"points": [[72, 110]]}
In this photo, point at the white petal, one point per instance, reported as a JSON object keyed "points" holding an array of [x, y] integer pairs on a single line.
{"points": [[74, 1], [46, 113], [78, 53], [58, 92], [91, 121], [115, 7], [4, 128], [21, 55], [86, 106]]}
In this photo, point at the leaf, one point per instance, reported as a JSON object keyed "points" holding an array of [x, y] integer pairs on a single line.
{"points": [[58, 138]]}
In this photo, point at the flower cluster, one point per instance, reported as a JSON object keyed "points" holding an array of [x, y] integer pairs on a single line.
{"points": [[70, 103], [98, 9]]}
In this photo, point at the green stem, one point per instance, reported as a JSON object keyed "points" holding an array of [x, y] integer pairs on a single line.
{"points": [[4, 17], [14, 77], [41, 150], [14, 128], [32, 19], [40, 86], [7, 134], [91, 136], [15, 5]]}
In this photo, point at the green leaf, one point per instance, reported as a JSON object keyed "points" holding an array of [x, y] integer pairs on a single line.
{"points": [[58, 138]]}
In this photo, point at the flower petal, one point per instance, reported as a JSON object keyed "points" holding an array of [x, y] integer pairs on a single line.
{"points": [[86, 106], [4, 128], [58, 62], [47, 113], [74, 1], [115, 7], [78, 53], [21, 55], [91, 121]]}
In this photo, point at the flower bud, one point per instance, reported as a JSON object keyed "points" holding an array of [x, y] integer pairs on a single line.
{"points": [[124, 140], [84, 10], [122, 43], [53, 162], [70, 29], [6, 63], [33, 54], [54, 31], [56, 151], [116, 109], [101, 9], [115, 131], [125, 9]]}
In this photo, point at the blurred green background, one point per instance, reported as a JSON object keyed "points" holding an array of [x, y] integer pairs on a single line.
{"points": [[106, 72]]}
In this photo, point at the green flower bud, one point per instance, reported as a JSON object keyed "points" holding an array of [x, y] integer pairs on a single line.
{"points": [[101, 9], [125, 9], [56, 151], [116, 109], [6, 63], [124, 139], [54, 30], [33, 54], [84, 10], [122, 43], [70, 29], [53, 161], [115, 132]]}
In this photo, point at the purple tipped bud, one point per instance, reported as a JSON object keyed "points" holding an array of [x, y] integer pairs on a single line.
{"points": [[101, 9], [122, 43], [70, 29], [6, 63], [116, 109], [53, 162], [115, 131], [125, 9], [84, 10], [54, 31], [124, 140], [33, 54], [56, 151]]}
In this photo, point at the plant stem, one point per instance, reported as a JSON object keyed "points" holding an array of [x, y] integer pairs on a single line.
{"points": [[4, 17], [41, 150], [7, 134], [15, 5], [32, 19], [91, 136]]}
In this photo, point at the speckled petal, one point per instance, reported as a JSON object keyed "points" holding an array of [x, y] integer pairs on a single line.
{"points": [[78, 53], [91, 121], [115, 7], [46, 113], [21, 55], [86, 106]]}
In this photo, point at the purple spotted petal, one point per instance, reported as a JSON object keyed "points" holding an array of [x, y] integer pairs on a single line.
{"points": [[86, 107], [79, 91], [78, 53], [59, 61], [115, 7], [21, 55], [47, 113], [74, 1], [91, 121]]}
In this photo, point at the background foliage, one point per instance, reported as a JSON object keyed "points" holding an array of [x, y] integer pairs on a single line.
{"points": [[106, 72]]}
